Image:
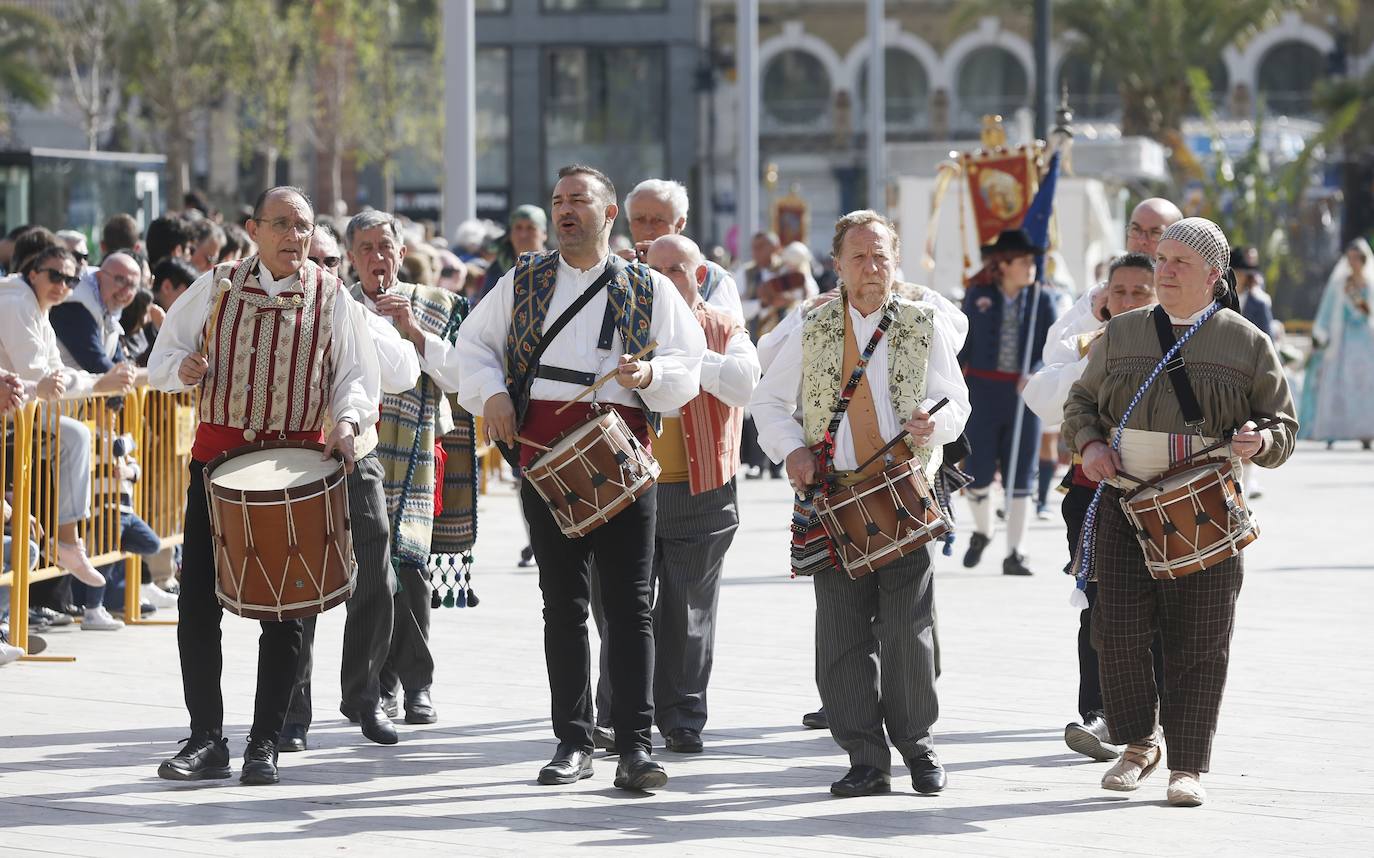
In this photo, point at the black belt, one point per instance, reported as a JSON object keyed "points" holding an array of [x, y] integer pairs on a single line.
{"points": [[569, 376]]}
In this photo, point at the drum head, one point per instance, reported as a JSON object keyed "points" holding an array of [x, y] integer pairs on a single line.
{"points": [[1174, 481], [272, 470]]}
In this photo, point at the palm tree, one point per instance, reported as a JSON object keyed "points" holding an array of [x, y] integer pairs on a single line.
{"points": [[24, 76]]}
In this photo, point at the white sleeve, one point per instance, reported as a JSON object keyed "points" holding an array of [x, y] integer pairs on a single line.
{"points": [[440, 362], [481, 347], [774, 403], [1048, 389], [1078, 320], [676, 362], [950, 316], [182, 333], [397, 362], [943, 380], [731, 377], [726, 295], [771, 343], [357, 380]]}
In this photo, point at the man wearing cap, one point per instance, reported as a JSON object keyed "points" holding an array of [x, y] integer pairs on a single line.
{"points": [[529, 230], [1235, 379], [999, 309]]}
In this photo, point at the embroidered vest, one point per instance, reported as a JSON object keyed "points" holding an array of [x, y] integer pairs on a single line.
{"points": [[710, 428], [908, 352], [406, 430], [271, 365], [630, 298]]}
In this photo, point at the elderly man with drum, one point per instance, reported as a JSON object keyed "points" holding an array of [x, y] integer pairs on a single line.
{"points": [[865, 373], [270, 342], [557, 327], [1163, 388]]}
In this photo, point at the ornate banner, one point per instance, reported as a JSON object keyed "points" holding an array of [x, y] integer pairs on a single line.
{"points": [[1001, 185]]}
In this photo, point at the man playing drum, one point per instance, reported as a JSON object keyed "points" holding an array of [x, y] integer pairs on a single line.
{"points": [[281, 357], [1231, 375], [871, 674], [625, 309]]}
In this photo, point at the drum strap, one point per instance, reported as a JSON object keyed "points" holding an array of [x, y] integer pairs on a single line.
{"points": [[1178, 373], [614, 265]]}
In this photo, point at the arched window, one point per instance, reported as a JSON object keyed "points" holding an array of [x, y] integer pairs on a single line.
{"points": [[1093, 88], [796, 88], [908, 87], [1287, 73], [991, 80]]}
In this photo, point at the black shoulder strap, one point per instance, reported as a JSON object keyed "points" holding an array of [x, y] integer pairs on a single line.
{"points": [[1178, 374]]}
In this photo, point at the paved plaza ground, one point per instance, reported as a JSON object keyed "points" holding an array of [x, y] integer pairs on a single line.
{"points": [[1292, 773]]}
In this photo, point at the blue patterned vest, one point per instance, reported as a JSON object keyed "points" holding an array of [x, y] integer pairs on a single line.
{"points": [[630, 297]]}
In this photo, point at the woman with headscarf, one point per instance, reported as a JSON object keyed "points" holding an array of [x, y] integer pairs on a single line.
{"points": [[1338, 395]]}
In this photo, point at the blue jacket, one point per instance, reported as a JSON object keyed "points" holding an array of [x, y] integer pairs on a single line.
{"points": [[1259, 309], [983, 307]]}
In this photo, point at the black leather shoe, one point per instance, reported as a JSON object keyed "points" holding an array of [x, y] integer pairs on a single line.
{"points": [[419, 707], [638, 772], [569, 765], [259, 762], [292, 738], [1015, 564], [1091, 738], [683, 740], [816, 720], [927, 775], [976, 543], [378, 728], [862, 780], [390, 707], [205, 757], [603, 738]]}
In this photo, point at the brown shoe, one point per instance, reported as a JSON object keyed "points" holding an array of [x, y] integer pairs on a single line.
{"points": [[1185, 789], [1137, 762]]}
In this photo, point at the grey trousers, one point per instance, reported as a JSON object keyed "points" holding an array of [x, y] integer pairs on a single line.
{"points": [[875, 659], [410, 664], [691, 537], [367, 630]]}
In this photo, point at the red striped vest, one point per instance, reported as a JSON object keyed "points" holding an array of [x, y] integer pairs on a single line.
{"points": [[710, 428]]}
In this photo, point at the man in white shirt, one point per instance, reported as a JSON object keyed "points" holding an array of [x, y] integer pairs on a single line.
{"points": [[889, 612], [658, 207], [630, 308], [275, 297]]}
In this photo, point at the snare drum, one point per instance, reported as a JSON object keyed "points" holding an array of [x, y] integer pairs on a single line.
{"points": [[280, 531], [887, 516], [593, 472], [1190, 519]]}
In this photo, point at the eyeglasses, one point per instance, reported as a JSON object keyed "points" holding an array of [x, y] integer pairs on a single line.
{"points": [[68, 280], [281, 225], [326, 261], [81, 257], [123, 281], [1136, 231]]}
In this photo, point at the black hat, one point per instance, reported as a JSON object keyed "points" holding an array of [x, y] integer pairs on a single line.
{"points": [[1012, 242], [1240, 259]]}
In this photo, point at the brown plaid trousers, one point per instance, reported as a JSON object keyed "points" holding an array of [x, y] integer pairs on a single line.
{"points": [[1195, 616]]}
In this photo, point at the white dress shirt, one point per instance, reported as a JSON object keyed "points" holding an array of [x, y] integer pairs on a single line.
{"points": [[947, 315], [481, 347], [182, 334], [28, 344], [398, 365], [729, 377], [776, 403], [726, 294]]}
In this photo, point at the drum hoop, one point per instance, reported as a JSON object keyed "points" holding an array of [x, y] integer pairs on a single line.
{"points": [[266, 497], [595, 417], [1208, 463]]}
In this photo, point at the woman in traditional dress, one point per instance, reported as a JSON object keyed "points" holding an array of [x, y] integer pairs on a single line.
{"points": [[1338, 395]]}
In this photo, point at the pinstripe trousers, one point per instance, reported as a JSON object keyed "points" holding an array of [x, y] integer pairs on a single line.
{"points": [[367, 629], [1194, 617], [875, 659]]}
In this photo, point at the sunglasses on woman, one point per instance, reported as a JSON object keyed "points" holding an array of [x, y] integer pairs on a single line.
{"points": [[71, 280]]}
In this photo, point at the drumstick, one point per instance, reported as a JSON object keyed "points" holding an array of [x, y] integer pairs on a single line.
{"points": [[1266, 423], [1133, 478], [596, 385], [519, 439], [213, 321], [900, 436]]}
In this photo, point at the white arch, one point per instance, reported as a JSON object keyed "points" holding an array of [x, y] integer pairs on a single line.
{"points": [[893, 37], [1289, 28], [794, 37], [988, 33]]}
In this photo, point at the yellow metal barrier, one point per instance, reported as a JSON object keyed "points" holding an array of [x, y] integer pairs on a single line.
{"points": [[168, 429]]}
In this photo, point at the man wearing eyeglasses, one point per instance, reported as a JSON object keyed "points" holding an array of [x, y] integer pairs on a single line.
{"points": [[87, 323], [283, 357]]}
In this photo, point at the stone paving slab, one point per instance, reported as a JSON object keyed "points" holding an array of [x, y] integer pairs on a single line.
{"points": [[81, 742]]}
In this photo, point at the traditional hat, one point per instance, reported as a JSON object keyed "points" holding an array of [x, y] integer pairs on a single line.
{"points": [[1205, 237], [1011, 241], [1240, 260]]}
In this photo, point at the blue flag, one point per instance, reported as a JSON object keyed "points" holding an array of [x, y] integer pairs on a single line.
{"points": [[1036, 223]]}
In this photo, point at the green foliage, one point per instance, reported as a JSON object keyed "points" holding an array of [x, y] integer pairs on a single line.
{"points": [[26, 56]]}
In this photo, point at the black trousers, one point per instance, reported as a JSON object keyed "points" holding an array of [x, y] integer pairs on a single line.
{"points": [[1075, 509], [623, 550], [198, 635]]}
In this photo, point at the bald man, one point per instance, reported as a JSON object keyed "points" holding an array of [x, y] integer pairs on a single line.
{"points": [[87, 323], [699, 452]]}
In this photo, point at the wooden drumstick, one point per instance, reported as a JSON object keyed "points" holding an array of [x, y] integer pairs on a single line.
{"points": [[596, 385], [1266, 423], [900, 437], [520, 439], [212, 322]]}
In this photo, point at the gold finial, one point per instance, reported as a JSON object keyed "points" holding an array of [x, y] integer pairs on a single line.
{"points": [[994, 135]]}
